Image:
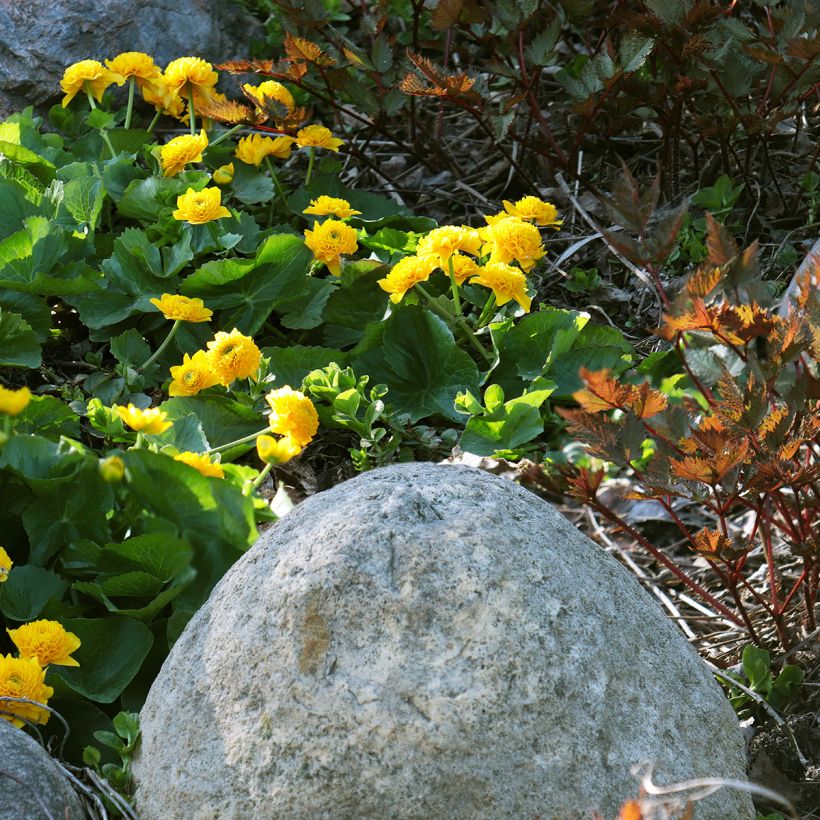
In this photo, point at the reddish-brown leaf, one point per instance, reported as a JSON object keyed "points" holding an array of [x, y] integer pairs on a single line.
{"points": [[299, 50], [601, 392], [703, 281], [719, 243]]}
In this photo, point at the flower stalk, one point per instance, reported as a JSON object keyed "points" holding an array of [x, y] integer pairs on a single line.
{"points": [[159, 350]]}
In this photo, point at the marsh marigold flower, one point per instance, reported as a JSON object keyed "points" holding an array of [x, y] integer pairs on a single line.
{"points": [[190, 75], [192, 376], [292, 415], [506, 282], [13, 402], [47, 641], [151, 421], [405, 273], [224, 174], [277, 451], [87, 76], [442, 243], [270, 90], [112, 469], [317, 136], [203, 463], [5, 565], [253, 149], [157, 93], [182, 308], [330, 206], [23, 678], [533, 209], [233, 356], [464, 267], [179, 151], [135, 64], [513, 239], [199, 207], [329, 240]]}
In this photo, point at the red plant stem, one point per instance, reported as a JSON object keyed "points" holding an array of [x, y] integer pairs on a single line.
{"points": [[732, 586], [535, 107], [670, 565], [796, 586], [766, 536]]}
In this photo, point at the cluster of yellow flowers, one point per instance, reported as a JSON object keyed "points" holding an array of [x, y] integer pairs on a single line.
{"points": [[331, 239], [509, 238], [39, 645]]}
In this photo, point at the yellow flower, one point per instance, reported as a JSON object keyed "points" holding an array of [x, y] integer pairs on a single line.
{"points": [[233, 356], [268, 91], [533, 209], [190, 75], [329, 240], [157, 93], [179, 151], [491, 219], [193, 375], [330, 206], [199, 207], [90, 76], [47, 641], [512, 239], [23, 678], [443, 242], [405, 273], [292, 415], [254, 148], [112, 469], [151, 421], [505, 281], [182, 308], [277, 451], [135, 64], [5, 565], [13, 402], [224, 174], [464, 267], [203, 463], [317, 136]]}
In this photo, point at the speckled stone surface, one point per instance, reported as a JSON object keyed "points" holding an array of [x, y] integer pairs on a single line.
{"points": [[428, 641], [32, 787]]}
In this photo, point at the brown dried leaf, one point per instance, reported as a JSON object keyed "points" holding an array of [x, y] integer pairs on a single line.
{"points": [[231, 112], [299, 50]]}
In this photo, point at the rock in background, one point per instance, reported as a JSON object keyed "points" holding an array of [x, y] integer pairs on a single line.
{"points": [[39, 38], [32, 787], [428, 641]]}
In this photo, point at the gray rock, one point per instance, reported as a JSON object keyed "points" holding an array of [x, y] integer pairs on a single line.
{"points": [[428, 641], [39, 38], [32, 787]]}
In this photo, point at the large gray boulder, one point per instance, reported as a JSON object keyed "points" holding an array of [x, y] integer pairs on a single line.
{"points": [[32, 786], [428, 641], [39, 38]]}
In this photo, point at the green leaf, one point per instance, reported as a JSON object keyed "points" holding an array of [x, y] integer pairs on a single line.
{"points": [[111, 653], [357, 303], [785, 686], [27, 590], [128, 140], [15, 208], [36, 165], [420, 363], [291, 364], [249, 289], [374, 208], [251, 185], [19, 346], [83, 199], [48, 415], [130, 348], [223, 420], [756, 666], [185, 435], [160, 555], [303, 310], [33, 309], [145, 199]]}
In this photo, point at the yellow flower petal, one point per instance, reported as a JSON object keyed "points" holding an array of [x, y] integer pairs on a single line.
{"points": [[405, 274], [179, 151], [233, 356], [277, 451], [317, 136], [330, 206], [199, 207], [47, 641], [292, 415], [151, 421], [203, 463], [192, 376], [13, 402], [182, 308], [329, 240], [23, 678]]}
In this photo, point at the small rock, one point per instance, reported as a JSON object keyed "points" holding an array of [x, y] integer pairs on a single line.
{"points": [[39, 38], [429, 641], [32, 786]]}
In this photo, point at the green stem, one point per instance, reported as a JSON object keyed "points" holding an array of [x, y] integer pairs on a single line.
{"points": [[275, 177], [225, 134], [162, 347], [191, 117], [139, 441], [154, 121], [130, 107], [458, 320], [263, 474], [454, 286], [486, 312], [243, 440], [310, 166], [103, 133]]}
